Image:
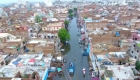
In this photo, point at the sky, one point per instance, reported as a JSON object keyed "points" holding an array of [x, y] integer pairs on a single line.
{"points": [[15, 1]]}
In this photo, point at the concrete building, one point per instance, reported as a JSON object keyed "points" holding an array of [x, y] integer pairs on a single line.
{"points": [[48, 3], [28, 5]]}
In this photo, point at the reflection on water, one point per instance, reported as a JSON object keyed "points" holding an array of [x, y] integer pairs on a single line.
{"points": [[67, 48]]}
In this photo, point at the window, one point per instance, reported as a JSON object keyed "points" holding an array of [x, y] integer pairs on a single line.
{"points": [[8, 38], [31, 35], [31, 31], [134, 45], [132, 51], [137, 50], [48, 36], [44, 37], [2, 63]]}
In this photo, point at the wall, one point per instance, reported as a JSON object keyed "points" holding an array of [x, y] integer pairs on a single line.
{"points": [[116, 60], [1, 78]]}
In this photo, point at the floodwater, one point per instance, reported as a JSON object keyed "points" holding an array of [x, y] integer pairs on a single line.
{"points": [[74, 50]]}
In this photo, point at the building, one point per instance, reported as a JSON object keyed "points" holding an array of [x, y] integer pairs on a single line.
{"points": [[48, 3], [135, 49], [28, 5], [62, 10]]}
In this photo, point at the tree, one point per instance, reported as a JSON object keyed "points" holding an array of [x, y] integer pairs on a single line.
{"points": [[38, 19], [85, 17], [70, 11], [137, 64], [75, 9], [66, 22], [63, 35], [71, 15]]}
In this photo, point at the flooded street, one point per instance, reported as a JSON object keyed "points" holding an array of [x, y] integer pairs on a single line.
{"points": [[74, 50]]}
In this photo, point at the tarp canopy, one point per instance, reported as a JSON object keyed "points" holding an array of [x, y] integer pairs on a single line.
{"points": [[16, 61], [85, 54], [111, 78], [20, 64], [95, 79], [88, 49], [32, 60], [117, 34], [43, 64]]}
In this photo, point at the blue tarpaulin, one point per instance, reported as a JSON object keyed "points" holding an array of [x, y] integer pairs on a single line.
{"points": [[117, 34], [46, 75], [88, 49], [86, 53], [43, 64], [106, 55], [16, 61], [99, 59], [59, 69], [26, 50], [111, 78]]}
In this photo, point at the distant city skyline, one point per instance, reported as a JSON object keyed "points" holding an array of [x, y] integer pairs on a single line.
{"points": [[16, 1]]}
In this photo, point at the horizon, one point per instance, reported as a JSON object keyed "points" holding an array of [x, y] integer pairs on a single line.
{"points": [[16, 1]]}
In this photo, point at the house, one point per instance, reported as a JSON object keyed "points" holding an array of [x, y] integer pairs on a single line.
{"points": [[39, 45], [2, 61], [11, 44], [62, 10], [134, 50], [55, 26], [34, 30]]}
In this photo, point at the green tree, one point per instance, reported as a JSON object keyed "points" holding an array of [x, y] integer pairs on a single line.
{"points": [[70, 11], [38, 19], [75, 9], [137, 65], [66, 22], [71, 15], [63, 35], [85, 17]]}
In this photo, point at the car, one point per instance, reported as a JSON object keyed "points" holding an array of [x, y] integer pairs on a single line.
{"points": [[71, 68]]}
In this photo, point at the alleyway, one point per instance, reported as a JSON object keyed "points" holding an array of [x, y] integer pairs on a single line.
{"points": [[74, 50]]}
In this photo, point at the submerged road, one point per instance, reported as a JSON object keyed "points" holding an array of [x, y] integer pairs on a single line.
{"points": [[71, 51]]}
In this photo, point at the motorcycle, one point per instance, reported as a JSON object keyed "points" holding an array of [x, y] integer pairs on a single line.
{"points": [[84, 71]]}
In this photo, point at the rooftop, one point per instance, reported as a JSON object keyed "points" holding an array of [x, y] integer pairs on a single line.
{"points": [[8, 71]]}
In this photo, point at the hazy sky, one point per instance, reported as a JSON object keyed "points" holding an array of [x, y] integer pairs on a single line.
{"points": [[9, 1]]}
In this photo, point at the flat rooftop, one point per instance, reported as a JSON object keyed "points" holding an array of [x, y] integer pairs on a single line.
{"points": [[36, 41], [31, 60], [123, 73], [8, 71]]}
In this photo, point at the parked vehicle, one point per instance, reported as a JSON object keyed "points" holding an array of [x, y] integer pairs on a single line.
{"points": [[71, 68], [84, 71], [64, 61], [59, 70]]}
